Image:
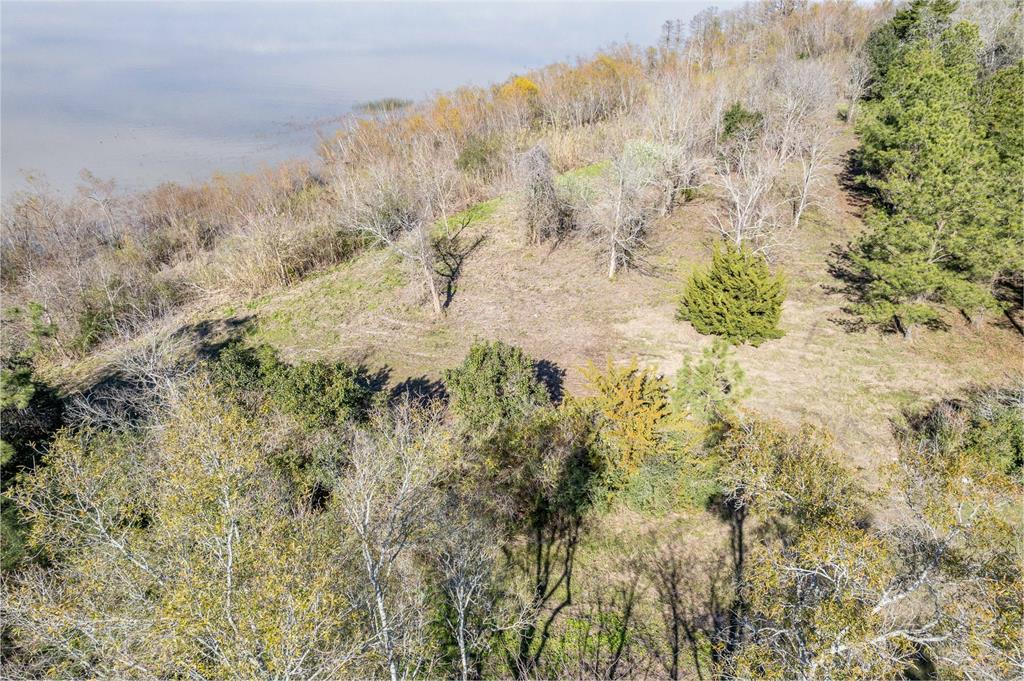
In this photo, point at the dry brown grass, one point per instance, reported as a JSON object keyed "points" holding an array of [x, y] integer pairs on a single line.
{"points": [[555, 303]]}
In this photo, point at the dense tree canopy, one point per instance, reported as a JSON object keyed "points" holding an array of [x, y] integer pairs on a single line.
{"points": [[939, 150]]}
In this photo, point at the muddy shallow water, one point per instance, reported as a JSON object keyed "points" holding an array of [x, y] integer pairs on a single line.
{"points": [[148, 92]]}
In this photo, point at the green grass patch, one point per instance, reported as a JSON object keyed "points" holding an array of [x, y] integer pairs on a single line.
{"points": [[257, 303], [588, 172], [439, 339], [313, 312], [481, 211], [472, 215]]}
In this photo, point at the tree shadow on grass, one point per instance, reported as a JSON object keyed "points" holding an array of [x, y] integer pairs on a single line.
{"points": [[452, 252], [420, 390], [552, 519], [375, 380], [729, 626], [1010, 292], [849, 283], [853, 284], [208, 337], [851, 180], [124, 392], [553, 378]]}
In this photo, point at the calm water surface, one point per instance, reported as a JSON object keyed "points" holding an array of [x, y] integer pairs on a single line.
{"points": [[148, 92]]}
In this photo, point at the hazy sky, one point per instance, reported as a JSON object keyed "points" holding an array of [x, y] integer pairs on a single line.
{"points": [[146, 91]]}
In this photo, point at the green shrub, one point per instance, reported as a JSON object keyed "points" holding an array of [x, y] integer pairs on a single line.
{"points": [[494, 384], [738, 297], [987, 427], [737, 121], [30, 412], [29, 330], [238, 370], [16, 386], [12, 537], [774, 470], [481, 156], [669, 482], [997, 433], [317, 394], [710, 386]]}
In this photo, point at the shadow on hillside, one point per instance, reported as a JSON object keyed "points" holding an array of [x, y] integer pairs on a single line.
{"points": [[647, 268], [208, 337], [551, 529], [452, 252], [1010, 292], [553, 378], [728, 624], [125, 391], [851, 181], [850, 283], [419, 389], [375, 381]]}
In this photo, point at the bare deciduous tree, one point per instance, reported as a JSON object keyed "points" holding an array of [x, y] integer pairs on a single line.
{"points": [[390, 211], [747, 174], [619, 215], [467, 557], [435, 179], [675, 117], [1000, 28], [858, 77], [181, 555], [537, 201], [792, 138], [794, 93], [150, 375], [814, 156], [386, 496]]}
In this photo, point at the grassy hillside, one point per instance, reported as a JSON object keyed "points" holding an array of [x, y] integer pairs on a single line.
{"points": [[553, 301], [431, 410]]}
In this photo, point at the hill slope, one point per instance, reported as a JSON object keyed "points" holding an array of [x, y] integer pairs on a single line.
{"points": [[555, 302]]}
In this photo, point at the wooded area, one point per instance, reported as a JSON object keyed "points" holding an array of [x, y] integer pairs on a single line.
{"points": [[223, 509]]}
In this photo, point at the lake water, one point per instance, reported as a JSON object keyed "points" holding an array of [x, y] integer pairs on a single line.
{"points": [[147, 92]]}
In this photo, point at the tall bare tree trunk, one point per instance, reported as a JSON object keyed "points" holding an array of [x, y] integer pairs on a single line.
{"points": [[435, 297], [463, 656]]}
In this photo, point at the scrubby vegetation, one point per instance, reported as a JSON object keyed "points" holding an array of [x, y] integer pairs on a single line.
{"points": [[185, 495], [227, 531], [317, 394], [495, 384]]}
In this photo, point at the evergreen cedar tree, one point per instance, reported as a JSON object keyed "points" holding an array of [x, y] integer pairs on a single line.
{"points": [[942, 151], [737, 297]]}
